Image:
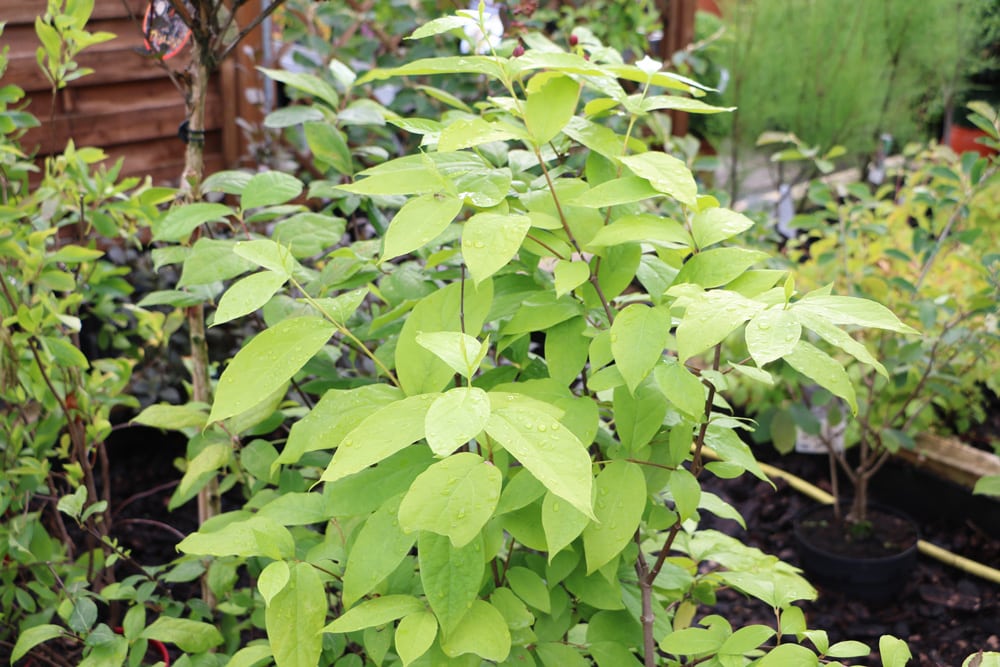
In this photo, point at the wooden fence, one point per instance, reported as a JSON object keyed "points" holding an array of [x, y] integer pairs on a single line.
{"points": [[128, 106]]}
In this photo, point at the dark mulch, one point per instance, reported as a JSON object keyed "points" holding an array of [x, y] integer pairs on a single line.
{"points": [[943, 613]]}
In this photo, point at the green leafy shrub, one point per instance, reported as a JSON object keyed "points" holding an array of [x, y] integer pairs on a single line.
{"points": [[925, 245], [500, 409]]}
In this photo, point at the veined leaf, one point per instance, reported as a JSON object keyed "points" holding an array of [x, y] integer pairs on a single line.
{"points": [[550, 452], [294, 618], [550, 106], [375, 612], [419, 222], [621, 500], [414, 635], [482, 631], [461, 352], [267, 362], [718, 266], [451, 576], [455, 497], [665, 173], [643, 228], [379, 548], [379, 436], [771, 334], [717, 224], [247, 295], [849, 310], [490, 240], [824, 370], [456, 417], [638, 336]]}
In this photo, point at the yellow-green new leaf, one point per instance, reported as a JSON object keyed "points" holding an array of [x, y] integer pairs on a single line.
{"points": [[267, 362], [621, 500], [562, 524], [482, 631], [772, 334], [414, 635], [638, 336], [490, 240], [550, 452], [456, 417], [419, 222], [665, 173], [824, 370], [454, 497], [376, 612], [247, 295], [379, 436], [550, 106], [461, 352], [451, 576], [379, 548], [294, 618]]}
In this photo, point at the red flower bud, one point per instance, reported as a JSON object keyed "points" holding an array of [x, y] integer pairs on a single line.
{"points": [[518, 51], [573, 40]]}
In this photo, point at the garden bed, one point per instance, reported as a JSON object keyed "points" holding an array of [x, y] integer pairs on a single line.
{"points": [[943, 613]]}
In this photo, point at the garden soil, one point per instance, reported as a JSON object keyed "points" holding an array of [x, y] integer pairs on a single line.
{"points": [[943, 613]]}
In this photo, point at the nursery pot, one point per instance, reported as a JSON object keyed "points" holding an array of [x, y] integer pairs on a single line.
{"points": [[874, 568]]}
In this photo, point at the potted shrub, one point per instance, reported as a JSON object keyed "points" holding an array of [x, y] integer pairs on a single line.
{"points": [[925, 244]]}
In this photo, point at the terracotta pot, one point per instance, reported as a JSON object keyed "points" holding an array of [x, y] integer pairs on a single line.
{"points": [[874, 578]]}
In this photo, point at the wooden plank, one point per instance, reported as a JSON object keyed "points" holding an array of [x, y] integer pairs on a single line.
{"points": [[109, 67], [163, 157], [117, 127], [111, 97], [25, 11], [23, 40], [952, 459]]}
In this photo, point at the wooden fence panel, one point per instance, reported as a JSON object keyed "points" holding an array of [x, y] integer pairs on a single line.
{"points": [[128, 106]]}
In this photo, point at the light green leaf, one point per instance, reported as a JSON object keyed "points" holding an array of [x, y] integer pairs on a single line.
{"points": [[414, 635], [617, 191], [638, 336], [199, 470], [598, 138], [681, 387], [848, 649], [267, 254], [189, 636], [258, 536], [270, 188], [490, 240], [566, 350], [451, 576], [718, 266], [32, 637], [686, 492], [643, 228], [293, 508], [550, 106], [443, 24], [731, 449], [461, 352], [178, 224], [772, 334], [455, 418], [824, 370], [551, 453], [710, 317], [372, 613], [454, 497], [665, 173], [247, 295], [341, 307], [210, 261], [837, 337], [267, 362], [420, 370], [692, 641], [638, 415], [789, 655], [717, 224], [570, 275], [562, 524], [893, 651], [987, 486], [482, 631], [289, 116], [621, 500], [419, 222], [379, 436], [336, 414], [379, 548], [553, 654], [173, 417], [483, 187], [307, 83], [849, 310], [329, 146], [530, 587], [746, 639], [686, 104], [272, 579], [250, 655], [540, 312], [470, 132]]}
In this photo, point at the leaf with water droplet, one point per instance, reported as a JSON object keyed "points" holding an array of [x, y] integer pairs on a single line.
{"points": [[490, 240], [624, 486], [454, 497]]}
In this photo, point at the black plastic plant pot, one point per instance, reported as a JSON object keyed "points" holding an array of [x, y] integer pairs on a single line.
{"points": [[874, 569]]}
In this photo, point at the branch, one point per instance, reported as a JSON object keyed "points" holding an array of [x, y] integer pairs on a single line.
{"points": [[245, 31]]}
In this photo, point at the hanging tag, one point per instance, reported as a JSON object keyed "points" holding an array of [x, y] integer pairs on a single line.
{"points": [[164, 30]]}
